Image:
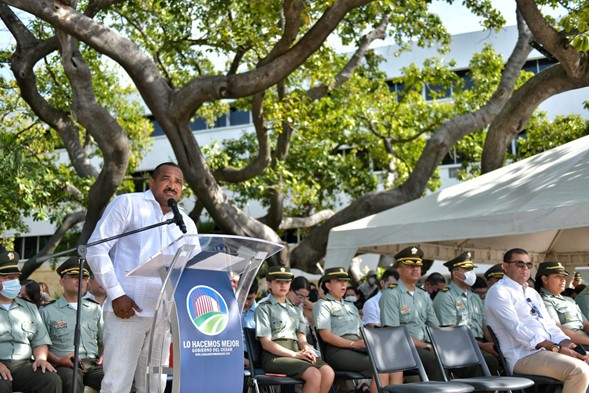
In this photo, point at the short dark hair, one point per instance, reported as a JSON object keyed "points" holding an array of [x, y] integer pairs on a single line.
{"points": [[389, 272], [300, 282], [435, 279], [157, 168], [507, 256], [254, 288]]}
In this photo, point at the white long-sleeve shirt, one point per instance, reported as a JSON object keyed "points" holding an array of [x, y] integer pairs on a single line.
{"points": [[111, 261], [519, 319], [371, 310]]}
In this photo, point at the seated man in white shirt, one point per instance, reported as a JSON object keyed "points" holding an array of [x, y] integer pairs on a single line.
{"points": [[371, 309], [529, 338]]}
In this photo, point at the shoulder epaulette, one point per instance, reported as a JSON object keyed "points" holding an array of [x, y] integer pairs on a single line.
{"points": [[393, 285], [445, 289], [265, 302], [92, 301], [423, 289], [46, 304]]}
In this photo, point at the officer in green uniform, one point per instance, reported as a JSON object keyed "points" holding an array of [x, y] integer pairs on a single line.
{"points": [[550, 282], [338, 323], [458, 305], [494, 274], [404, 303], [60, 319], [22, 335], [281, 329]]}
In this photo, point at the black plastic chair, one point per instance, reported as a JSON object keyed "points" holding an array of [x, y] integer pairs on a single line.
{"points": [[542, 384], [339, 374], [456, 348], [257, 375], [391, 349]]}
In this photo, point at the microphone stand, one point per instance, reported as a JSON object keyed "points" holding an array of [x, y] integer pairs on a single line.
{"points": [[81, 251]]}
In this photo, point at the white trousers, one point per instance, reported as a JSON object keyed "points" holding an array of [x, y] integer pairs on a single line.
{"points": [[126, 346]]}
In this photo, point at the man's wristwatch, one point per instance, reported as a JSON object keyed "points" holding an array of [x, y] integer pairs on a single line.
{"points": [[555, 348]]}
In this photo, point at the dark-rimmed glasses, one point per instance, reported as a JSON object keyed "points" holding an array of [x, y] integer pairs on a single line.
{"points": [[301, 297], [522, 264]]}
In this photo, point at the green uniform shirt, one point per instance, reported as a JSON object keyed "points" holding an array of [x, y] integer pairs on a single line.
{"points": [[458, 308], [279, 320], [60, 319], [339, 316], [563, 310], [582, 300], [399, 307], [21, 330]]}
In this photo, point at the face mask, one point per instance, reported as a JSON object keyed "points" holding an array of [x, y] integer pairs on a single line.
{"points": [[470, 278], [10, 289], [352, 299]]}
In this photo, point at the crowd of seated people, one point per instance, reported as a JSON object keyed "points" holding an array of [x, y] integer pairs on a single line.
{"points": [[402, 299]]}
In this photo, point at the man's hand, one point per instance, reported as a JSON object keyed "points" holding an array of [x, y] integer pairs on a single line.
{"points": [[488, 347], [5, 372], [567, 348], [64, 361], [44, 365], [125, 307]]}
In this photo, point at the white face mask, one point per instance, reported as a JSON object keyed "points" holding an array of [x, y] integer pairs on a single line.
{"points": [[352, 299], [470, 278], [10, 288]]}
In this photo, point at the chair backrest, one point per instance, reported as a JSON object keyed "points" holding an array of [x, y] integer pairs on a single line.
{"points": [[321, 345], [254, 349], [456, 347], [391, 349], [502, 360]]}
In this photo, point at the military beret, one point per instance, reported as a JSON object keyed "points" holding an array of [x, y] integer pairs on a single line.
{"points": [[279, 273], [546, 268], [72, 267], [495, 271], [9, 263], [463, 260], [335, 273], [412, 255]]}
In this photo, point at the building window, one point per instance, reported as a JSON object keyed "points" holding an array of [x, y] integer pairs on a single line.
{"points": [[237, 117]]}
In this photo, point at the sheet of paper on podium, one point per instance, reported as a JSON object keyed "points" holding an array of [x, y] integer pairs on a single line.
{"points": [[209, 260]]}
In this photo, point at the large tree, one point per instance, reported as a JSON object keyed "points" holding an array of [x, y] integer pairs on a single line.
{"points": [[278, 66]]}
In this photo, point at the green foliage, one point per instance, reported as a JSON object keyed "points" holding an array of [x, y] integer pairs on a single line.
{"points": [[542, 134]]}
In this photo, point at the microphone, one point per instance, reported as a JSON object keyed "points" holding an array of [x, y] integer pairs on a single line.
{"points": [[177, 216]]}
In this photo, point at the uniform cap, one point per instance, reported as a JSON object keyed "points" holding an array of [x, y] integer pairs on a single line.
{"points": [[546, 268], [577, 275], [335, 273], [412, 255], [9, 263], [72, 267], [279, 273], [495, 271], [463, 260]]}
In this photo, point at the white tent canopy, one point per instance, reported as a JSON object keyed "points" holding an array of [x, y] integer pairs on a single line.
{"points": [[540, 204]]}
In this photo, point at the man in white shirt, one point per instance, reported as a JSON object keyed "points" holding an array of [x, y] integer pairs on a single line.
{"points": [[131, 301], [529, 338], [371, 309]]}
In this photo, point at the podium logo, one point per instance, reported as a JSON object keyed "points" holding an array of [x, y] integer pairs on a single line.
{"points": [[207, 310]]}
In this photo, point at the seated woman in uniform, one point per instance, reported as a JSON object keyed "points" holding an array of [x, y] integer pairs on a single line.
{"points": [[338, 323], [281, 329], [550, 282]]}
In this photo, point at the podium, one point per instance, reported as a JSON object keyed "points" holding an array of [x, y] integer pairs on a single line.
{"points": [[202, 310]]}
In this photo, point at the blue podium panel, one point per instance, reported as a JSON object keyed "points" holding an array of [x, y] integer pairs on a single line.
{"points": [[210, 337]]}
